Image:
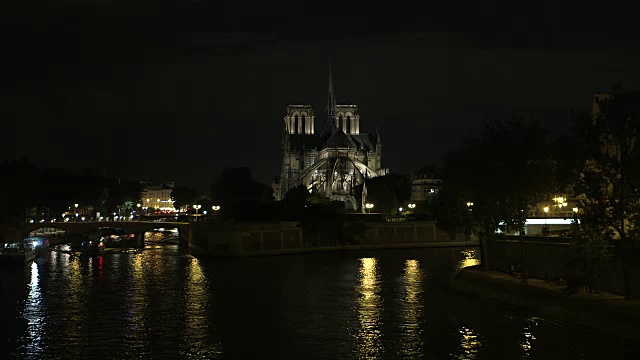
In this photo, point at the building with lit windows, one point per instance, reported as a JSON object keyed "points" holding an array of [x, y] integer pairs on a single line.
{"points": [[157, 196]]}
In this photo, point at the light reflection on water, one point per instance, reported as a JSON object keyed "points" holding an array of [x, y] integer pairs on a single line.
{"points": [[163, 303], [469, 344], [528, 339], [470, 257], [411, 330], [200, 344], [369, 335], [35, 314], [136, 306]]}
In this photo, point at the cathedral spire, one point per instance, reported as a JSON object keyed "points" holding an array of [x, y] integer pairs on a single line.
{"points": [[331, 102]]}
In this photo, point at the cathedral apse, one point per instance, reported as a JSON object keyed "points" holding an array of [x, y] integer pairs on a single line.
{"points": [[331, 162]]}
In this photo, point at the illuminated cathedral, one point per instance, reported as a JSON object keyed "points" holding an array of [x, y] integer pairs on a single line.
{"points": [[333, 161]]}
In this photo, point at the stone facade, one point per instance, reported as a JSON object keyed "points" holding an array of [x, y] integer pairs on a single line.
{"points": [[157, 196], [330, 162]]}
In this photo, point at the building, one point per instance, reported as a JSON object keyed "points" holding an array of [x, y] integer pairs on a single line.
{"points": [[425, 186], [157, 196], [331, 162]]}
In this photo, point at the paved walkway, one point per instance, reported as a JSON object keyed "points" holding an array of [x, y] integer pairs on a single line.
{"points": [[601, 311]]}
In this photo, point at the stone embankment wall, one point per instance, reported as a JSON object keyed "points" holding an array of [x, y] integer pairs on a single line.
{"points": [[547, 257], [243, 239]]}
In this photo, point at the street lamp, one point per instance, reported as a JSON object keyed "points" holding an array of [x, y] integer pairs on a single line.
{"points": [[216, 208], [369, 206], [546, 210], [197, 207], [205, 212], [411, 206], [575, 210], [400, 209]]}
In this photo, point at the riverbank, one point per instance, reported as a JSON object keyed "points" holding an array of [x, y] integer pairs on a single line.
{"points": [[604, 312]]}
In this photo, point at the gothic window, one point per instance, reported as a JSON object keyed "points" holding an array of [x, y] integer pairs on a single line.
{"points": [[339, 121], [295, 125], [348, 124]]}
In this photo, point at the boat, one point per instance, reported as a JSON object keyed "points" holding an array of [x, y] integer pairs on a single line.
{"points": [[12, 254], [39, 244]]}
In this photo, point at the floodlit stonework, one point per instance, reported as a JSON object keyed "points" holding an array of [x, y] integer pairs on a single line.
{"points": [[331, 162]]}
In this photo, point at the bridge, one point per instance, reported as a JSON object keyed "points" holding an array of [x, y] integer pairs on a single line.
{"points": [[75, 230]]}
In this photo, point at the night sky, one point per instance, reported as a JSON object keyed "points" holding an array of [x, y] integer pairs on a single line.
{"points": [[179, 90]]}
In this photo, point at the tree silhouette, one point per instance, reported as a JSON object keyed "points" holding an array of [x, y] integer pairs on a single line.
{"points": [[610, 181]]}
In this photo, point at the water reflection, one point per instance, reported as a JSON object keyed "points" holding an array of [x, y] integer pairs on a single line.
{"points": [[369, 305], [526, 343], [411, 331], [34, 314], [469, 344], [74, 300], [470, 257], [200, 344], [137, 305]]}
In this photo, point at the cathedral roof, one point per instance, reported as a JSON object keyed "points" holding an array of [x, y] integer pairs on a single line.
{"points": [[334, 139], [364, 141], [300, 141], [339, 139]]}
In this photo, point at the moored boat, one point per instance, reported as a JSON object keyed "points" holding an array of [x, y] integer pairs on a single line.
{"points": [[12, 254]]}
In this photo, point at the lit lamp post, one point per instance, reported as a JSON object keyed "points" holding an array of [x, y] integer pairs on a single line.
{"points": [[544, 229], [197, 207], [411, 206], [469, 210], [76, 206], [215, 208], [368, 206]]}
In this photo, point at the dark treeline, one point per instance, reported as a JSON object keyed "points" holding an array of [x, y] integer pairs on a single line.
{"points": [[39, 193], [513, 167]]}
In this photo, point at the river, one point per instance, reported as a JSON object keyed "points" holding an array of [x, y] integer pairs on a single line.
{"points": [[162, 303]]}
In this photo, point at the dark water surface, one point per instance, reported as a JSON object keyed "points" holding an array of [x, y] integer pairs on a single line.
{"points": [[163, 303]]}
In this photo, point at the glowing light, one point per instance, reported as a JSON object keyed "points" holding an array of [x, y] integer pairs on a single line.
{"points": [[411, 344], [469, 344], [545, 209], [369, 310], [575, 209]]}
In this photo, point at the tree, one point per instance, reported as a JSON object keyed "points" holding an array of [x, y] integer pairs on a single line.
{"points": [[496, 178], [183, 196], [240, 196], [388, 192], [610, 181]]}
